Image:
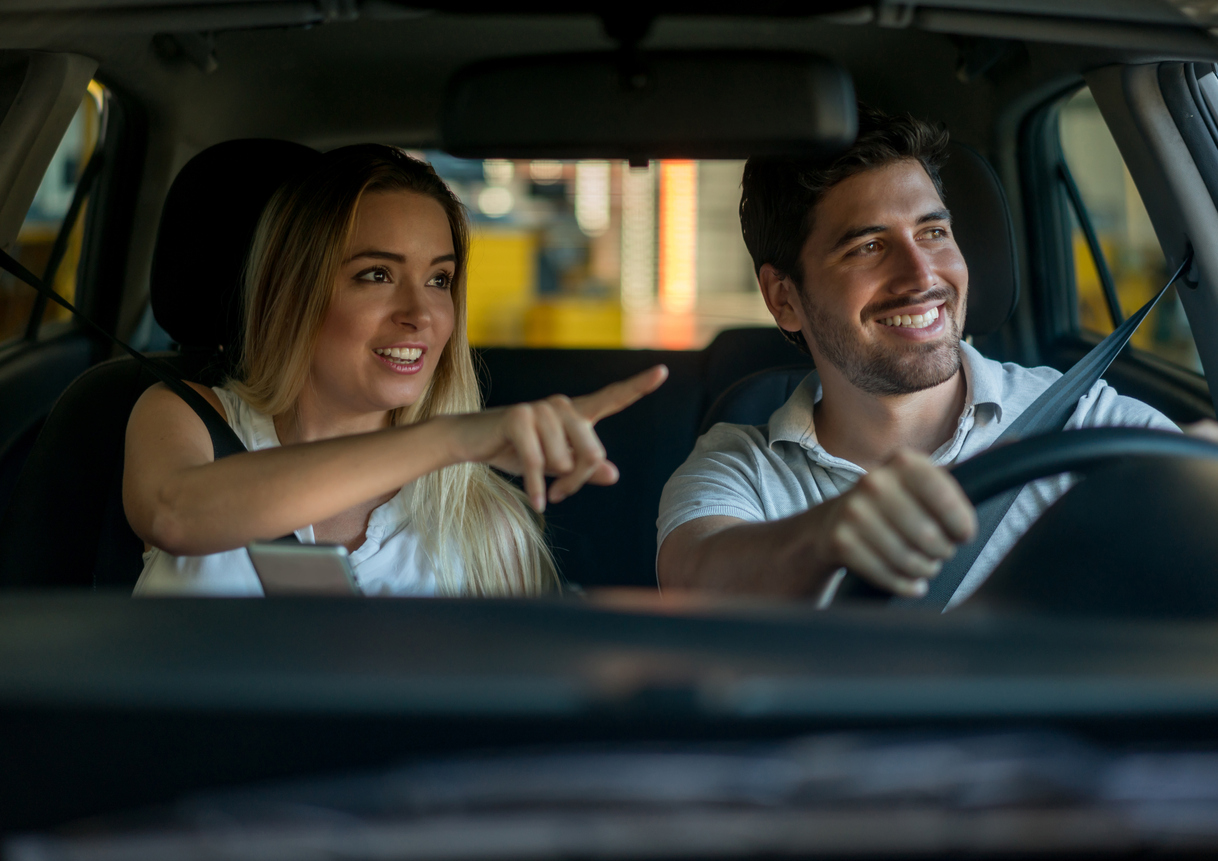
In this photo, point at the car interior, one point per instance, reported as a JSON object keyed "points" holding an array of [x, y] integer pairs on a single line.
{"points": [[1083, 171]]}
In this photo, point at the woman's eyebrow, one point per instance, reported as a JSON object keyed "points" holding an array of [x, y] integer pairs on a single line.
{"points": [[377, 255]]}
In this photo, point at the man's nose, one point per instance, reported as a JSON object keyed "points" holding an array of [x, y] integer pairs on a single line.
{"points": [[914, 271]]}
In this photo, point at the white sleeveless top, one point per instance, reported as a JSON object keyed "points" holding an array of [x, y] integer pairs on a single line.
{"points": [[391, 561]]}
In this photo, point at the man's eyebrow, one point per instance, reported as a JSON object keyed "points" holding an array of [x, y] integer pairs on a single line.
{"points": [[851, 235], [859, 232]]}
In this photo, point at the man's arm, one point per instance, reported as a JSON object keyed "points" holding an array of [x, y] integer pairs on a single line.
{"points": [[893, 528]]}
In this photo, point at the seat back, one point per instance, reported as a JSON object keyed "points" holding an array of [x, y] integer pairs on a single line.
{"points": [[67, 526]]}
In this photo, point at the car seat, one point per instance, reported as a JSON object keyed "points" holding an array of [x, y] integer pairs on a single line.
{"points": [[66, 526], [981, 222]]}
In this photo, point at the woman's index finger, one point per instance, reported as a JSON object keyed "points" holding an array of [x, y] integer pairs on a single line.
{"points": [[615, 397]]}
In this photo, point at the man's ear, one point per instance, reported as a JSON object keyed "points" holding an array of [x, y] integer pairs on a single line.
{"points": [[782, 298]]}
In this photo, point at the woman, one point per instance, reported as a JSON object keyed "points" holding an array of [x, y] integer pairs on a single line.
{"points": [[357, 398]]}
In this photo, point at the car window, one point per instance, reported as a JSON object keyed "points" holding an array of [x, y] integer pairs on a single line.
{"points": [[1126, 236], [602, 254], [44, 221]]}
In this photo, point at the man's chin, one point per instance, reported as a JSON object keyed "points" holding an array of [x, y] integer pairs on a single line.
{"points": [[922, 367]]}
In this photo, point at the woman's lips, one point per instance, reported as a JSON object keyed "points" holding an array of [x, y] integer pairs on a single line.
{"points": [[401, 360]]}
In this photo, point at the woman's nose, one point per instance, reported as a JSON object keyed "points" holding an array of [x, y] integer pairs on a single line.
{"points": [[411, 307]]}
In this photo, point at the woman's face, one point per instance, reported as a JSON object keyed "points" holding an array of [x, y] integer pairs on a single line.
{"points": [[392, 311]]}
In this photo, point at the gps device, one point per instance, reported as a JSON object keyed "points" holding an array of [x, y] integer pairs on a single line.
{"points": [[302, 569]]}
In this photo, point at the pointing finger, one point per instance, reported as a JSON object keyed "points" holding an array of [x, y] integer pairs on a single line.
{"points": [[615, 397]]}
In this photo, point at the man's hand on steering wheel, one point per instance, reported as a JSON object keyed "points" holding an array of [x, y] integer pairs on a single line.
{"points": [[897, 525]]}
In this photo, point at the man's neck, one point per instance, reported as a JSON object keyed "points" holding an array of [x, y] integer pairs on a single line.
{"points": [[868, 429]]}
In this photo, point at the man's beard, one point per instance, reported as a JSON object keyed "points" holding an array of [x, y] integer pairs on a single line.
{"points": [[885, 369]]}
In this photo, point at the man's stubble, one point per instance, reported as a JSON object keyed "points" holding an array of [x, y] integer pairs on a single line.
{"points": [[879, 369]]}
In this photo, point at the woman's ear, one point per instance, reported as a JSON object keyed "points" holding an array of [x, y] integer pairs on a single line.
{"points": [[782, 298]]}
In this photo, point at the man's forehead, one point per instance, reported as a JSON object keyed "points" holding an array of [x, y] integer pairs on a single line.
{"points": [[884, 196]]}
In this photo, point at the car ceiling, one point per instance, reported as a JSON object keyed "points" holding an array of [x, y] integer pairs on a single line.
{"points": [[334, 71]]}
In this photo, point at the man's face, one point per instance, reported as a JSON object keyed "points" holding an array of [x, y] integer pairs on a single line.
{"points": [[881, 251]]}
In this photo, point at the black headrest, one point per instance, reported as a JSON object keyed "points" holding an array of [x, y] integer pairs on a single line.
{"points": [[981, 221], [206, 228]]}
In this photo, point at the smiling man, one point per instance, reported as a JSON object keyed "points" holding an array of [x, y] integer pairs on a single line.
{"points": [[858, 264]]}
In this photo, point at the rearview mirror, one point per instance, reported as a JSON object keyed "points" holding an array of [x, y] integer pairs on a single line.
{"points": [[652, 105]]}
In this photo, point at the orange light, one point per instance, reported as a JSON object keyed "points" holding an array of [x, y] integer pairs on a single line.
{"points": [[678, 235]]}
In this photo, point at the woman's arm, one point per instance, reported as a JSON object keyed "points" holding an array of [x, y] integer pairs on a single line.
{"points": [[179, 499]]}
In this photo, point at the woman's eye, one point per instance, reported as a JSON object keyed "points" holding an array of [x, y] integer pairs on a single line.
{"points": [[442, 280], [377, 275]]}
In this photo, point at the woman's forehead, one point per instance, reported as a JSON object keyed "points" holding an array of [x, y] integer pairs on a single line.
{"points": [[402, 221]]}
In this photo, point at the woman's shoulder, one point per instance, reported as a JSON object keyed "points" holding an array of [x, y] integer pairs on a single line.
{"points": [[161, 398]]}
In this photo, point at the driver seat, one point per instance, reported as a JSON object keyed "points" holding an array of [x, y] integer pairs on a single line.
{"points": [[981, 221], [66, 526]]}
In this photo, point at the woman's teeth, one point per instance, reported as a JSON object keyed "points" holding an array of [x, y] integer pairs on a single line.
{"points": [[913, 321], [400, 354]]}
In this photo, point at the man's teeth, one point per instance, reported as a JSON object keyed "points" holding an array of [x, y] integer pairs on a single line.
{"points": [[913, 321], [400, 354]]}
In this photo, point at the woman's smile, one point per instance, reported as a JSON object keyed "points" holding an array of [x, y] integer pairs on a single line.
{"points": [[402, 359]]}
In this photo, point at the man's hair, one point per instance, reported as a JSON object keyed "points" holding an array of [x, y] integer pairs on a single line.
{"points": [[780, 193]]}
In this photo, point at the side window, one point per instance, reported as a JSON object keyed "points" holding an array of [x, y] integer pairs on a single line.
{"points": [[46, 241], [1113, 210]]}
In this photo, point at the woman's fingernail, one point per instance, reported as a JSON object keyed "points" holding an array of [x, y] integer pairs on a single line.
{"points": [[920, 588]]}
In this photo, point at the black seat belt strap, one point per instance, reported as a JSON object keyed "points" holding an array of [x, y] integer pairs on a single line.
{"points": [[1049, 412], [223, 439]]}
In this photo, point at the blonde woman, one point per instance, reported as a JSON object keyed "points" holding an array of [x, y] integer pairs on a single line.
{"points": [[357, 399]]}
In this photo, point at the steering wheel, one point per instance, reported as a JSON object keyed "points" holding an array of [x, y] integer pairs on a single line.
{"points": [[1080, 451], [1085, 451]]}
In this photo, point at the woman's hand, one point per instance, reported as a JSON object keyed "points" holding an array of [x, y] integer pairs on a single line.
{"points": [[552, 437]]}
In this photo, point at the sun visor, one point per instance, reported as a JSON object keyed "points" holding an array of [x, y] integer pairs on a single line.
{"points": [[720, 104]]}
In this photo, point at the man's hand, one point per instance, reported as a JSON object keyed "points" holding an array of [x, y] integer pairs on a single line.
{"points": [[894, 528], [1206, 429], [897, 525]]}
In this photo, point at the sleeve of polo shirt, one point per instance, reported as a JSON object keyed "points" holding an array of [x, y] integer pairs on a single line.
{"points": [[720, 477], [1103, 407]]}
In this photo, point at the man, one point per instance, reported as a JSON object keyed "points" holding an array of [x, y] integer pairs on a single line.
{"points": [[857, 263]]}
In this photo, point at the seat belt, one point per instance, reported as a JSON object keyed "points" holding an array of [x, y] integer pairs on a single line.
{"points": [[1049, 412], [224, 440]]}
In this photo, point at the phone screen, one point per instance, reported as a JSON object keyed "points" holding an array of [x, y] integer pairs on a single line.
{"points": [[303, 569]]}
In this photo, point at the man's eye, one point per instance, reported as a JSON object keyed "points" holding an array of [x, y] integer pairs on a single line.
{"points": [[377, 275], [868, 248], [937, 233]]}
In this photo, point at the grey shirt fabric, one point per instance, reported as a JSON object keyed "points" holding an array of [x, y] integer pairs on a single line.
{"points": [[773, 471]]}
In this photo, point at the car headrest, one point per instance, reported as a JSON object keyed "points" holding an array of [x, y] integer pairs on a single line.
{"points": [[981, 221], [207, 225]]}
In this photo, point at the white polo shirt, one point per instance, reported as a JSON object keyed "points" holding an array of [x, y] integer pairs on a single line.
{"points": [[773, 471]]}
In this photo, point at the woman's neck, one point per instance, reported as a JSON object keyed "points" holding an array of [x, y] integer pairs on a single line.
{"points": [[311, 421]]}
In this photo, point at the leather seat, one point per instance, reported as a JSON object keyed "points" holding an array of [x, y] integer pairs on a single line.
{"points": [[981, 222], [67, 526]]}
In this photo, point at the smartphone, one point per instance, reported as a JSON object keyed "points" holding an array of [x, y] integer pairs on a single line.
{"points": [[302, 569]]}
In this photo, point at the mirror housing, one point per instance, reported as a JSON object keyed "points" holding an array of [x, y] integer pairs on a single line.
{"points": [[639, 106]]}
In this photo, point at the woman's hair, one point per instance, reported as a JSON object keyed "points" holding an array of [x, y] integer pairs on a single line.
{"points": [[474, 522]]}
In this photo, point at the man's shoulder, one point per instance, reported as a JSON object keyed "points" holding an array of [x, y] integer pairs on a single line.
{"points": [[727, 436], [1010, 385], [1014, 387]]}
